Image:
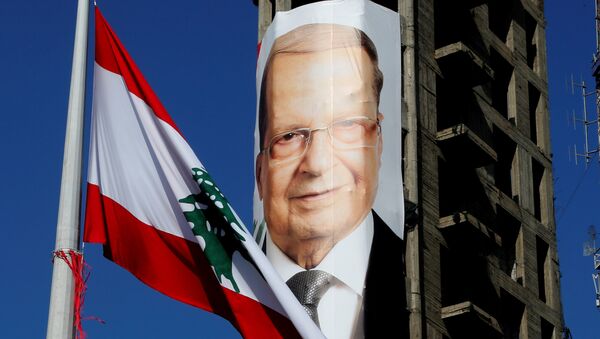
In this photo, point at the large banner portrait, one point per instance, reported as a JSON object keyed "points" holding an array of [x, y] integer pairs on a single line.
{"points": [[328, 200]]}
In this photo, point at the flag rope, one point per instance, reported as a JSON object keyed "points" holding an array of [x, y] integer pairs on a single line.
{"points": [[76, 263]]}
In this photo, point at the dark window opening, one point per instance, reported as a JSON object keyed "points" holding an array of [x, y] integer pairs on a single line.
{"points": [[547, 329], [509, 228], [506, 150], [503, 71], [538, 176], [542, 256], [451, 103], [500, 18], [530, 35], [512, 316], [465, 278], [454, 22], [461, 190], [534, 100]]}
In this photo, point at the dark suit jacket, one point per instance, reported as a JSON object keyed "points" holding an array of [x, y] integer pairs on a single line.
{"points": [[385, 311]]}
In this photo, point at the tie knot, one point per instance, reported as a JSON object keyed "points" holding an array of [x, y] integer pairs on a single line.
{"points": [[309, 286]]}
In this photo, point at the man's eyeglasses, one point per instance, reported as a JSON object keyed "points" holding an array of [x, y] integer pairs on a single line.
{"points": [[349, 133]]}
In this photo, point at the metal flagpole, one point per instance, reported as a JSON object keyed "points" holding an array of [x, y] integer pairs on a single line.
{"points": [[61, 312]]}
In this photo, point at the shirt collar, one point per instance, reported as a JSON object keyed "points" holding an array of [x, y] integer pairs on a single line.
{"points": [[347, 261]]}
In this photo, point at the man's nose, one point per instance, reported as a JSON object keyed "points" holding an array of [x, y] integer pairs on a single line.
{"points": [[319, 154]]}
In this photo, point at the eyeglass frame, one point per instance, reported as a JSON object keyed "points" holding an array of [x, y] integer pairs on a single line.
{"points": [[310, 134]]}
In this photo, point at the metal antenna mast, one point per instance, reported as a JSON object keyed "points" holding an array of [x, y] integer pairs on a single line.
{"points": [[590, 249], [587, 152], [596, 69]]}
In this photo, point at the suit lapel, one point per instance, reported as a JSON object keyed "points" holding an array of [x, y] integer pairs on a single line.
{"points": [[386, 315]]}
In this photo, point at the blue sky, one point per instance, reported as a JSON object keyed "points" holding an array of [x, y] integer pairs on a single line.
{"points": [[200, 59], [571, 43]]}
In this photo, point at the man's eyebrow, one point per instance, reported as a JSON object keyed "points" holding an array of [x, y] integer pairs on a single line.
{"points": [[363, 110], [289, 127]]}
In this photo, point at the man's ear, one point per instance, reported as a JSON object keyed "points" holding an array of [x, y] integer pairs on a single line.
{"points": [[258, 172], [380, 143]]}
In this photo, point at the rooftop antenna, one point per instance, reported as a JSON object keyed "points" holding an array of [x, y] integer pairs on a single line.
{"points": [[590, 249], [596, 71], [587, 152]]}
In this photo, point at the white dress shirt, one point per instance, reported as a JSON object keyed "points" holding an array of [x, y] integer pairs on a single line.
{"points": [[340, 309]]}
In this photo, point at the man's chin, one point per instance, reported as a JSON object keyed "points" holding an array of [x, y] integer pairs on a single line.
{"points": [[321, 222]]}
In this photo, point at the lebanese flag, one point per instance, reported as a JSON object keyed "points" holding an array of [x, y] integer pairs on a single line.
{"points": [[159, 215]]}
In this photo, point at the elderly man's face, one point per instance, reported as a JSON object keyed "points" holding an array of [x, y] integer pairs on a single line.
{"points": [[326, 192]]}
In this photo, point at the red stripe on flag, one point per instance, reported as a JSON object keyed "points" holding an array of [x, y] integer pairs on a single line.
{"points": [[176, 267], [112, 55]]}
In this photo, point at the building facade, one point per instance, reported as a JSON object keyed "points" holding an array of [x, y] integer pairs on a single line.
{"points": [[481, 255]]}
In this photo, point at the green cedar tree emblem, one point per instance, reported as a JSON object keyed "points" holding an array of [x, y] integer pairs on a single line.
{"points": [[213, 220]]}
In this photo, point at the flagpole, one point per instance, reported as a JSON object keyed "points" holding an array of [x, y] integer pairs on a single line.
{"points": [[61, 311]]}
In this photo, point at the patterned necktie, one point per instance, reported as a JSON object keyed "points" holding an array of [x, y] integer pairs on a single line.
{"points": [[309, 287]]}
